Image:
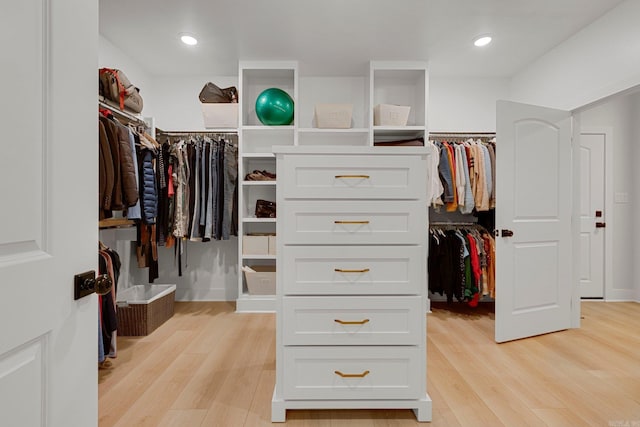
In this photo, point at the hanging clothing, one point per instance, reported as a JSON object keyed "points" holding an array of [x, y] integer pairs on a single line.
{"points": [[461, 263], [117, 162], [466, 176]]}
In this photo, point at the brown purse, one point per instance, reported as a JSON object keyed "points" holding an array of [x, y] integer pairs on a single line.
{"points": [[211, 93], [265, 209]]}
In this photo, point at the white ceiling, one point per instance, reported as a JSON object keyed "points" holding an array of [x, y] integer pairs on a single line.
{"points": [[339, 37]]}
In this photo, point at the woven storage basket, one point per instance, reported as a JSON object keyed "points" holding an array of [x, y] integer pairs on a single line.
{"points": [[142, 319]]}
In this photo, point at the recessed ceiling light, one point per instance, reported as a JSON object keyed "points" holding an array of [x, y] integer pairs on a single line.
{"points": [[188, 39], [482, 40]]}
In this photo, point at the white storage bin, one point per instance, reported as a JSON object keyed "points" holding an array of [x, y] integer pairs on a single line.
{"points": [[261, 279], [333, 116], [255, 244], [390, 115], [220, 115], [272, 245]]}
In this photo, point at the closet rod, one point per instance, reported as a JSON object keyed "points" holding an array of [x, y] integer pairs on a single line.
{"points": [[462, 134], [196, 132], [437, 224], [118, 112]]}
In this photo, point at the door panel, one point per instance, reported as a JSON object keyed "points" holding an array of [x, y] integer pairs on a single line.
{"points": [[534, 266], [48, 232], [535, 149], [22, 384], [592, 199]]}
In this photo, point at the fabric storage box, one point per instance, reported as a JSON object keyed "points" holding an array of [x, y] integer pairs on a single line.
{"points": [[261, 279], [333, 116], [272, 245], [390, 115], [255, 244], [142, 309], [223, 115]]}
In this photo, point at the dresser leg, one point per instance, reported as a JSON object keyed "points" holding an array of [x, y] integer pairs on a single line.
{"points": [[278, 411], [423, 411]]}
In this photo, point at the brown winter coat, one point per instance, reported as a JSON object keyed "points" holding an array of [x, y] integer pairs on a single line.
{"points": [[114, 145], [127, 168], [106, 170]]}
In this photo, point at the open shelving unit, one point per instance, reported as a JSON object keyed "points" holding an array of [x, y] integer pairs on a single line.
{"points": [[381, 82], [255, 142]]}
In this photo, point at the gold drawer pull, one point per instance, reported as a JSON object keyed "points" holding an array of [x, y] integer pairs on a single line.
{"points": [[352, 176], [351, 322], [351, 222], [362, 375], [341, 270]]}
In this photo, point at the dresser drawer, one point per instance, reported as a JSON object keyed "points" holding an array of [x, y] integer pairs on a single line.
{"points": [[353, 177], [353, 270], [382, 320], [353, 372], [353, 222]]}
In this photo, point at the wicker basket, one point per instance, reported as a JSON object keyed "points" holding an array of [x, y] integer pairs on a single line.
{"points": [[142, 319]]}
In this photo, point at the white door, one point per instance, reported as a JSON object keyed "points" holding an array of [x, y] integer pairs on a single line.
{"points": [[534, 265], [592, 215], [48, 226]]}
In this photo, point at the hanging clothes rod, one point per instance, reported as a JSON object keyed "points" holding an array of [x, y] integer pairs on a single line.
{"points": [[131, 118], [439, 224], [462, 134], [195, 132]]}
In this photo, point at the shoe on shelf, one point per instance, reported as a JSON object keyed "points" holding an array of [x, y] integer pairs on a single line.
{"points": [[257, 175], [268, 174]]}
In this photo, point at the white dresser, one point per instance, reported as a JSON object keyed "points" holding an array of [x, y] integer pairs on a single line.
{"points": [[351, 294]]}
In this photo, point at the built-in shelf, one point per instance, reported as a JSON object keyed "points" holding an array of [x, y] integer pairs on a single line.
{"points": [[259, 220], [258, 155], [266, 128], [259, 183], [116, 223], [317, 130], [246, 256], [398, 128]]}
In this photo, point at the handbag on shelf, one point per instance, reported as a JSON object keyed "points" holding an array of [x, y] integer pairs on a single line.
{"points": [[265, 209], [211, 93], [116, 87]]}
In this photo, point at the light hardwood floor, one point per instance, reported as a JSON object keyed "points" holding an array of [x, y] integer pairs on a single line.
{"points": [[208, 366]]}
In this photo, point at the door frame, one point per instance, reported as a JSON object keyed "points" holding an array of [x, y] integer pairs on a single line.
{"points": [[575, 219], [608, 133]]}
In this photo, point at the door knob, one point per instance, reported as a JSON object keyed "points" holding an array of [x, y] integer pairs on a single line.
{"points": [[506, 233], [103, 284], [601, 224]]}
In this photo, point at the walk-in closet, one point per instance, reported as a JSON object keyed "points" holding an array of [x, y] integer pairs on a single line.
{"points": [[320, 213]]}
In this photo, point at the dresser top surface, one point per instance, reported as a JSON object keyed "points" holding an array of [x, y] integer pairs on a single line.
{"points": [[336, 149]]}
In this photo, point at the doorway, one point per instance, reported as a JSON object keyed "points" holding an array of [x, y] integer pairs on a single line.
{"points": [[594, 211]]}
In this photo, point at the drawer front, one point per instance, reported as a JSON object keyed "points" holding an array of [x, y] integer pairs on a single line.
{"points": [[353, 270], [353, 177], [353, 222], [353, 372], [382, 320]]}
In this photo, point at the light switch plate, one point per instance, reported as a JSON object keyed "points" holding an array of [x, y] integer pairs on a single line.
{"points": [[622, 197]]}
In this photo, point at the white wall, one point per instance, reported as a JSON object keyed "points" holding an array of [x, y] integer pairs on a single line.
{"points": [[176, 103], [111, 56], [465, 104], [600, 60], [209, 271], [618, 114], [635, 195]]}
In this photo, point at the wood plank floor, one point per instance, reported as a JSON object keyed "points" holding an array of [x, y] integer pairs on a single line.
{"points": [[208, 366]]}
